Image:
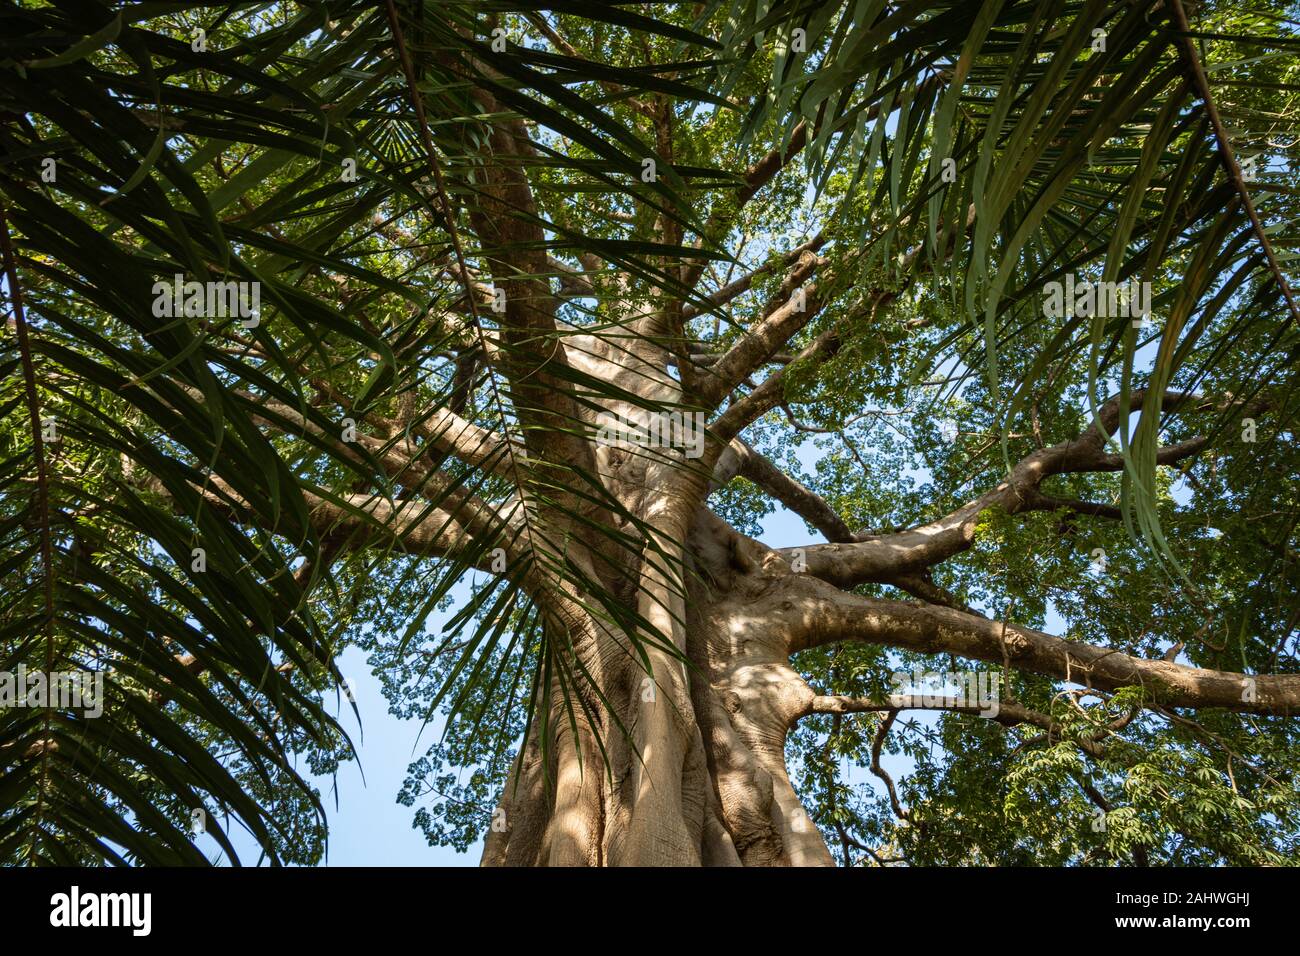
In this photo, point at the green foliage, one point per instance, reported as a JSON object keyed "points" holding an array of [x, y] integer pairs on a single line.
{"points": [[224, 164]]}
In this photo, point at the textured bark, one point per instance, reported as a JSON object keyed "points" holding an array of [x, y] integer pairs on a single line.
{"points": [[703, 779]]}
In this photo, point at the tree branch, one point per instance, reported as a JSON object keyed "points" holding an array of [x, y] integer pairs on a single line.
{"points": [[745, 461], [793, 308], [1007, 713], [742, 285], [826, 616], [881, 556], [765, 169], [771, 391]]}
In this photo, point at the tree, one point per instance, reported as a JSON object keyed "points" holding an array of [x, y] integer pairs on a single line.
{"points": [[327, 315]]}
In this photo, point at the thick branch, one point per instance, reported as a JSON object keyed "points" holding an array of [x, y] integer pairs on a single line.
{"points": [[414, 527], [742, 285], [826, 616], [771, 391], [400, 459], [795, 306], [573, 282], [745, 461], [502, 213], [880, 557]]}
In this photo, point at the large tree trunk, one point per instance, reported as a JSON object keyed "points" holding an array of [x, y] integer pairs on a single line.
{"points": [[688, 767], [698, 774]]}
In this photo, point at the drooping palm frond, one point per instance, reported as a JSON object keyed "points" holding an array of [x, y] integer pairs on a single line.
{"points": [[203, 474], [153, 579]]}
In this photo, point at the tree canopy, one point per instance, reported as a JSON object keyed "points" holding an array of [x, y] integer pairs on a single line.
{"points": [[315, 312]]}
